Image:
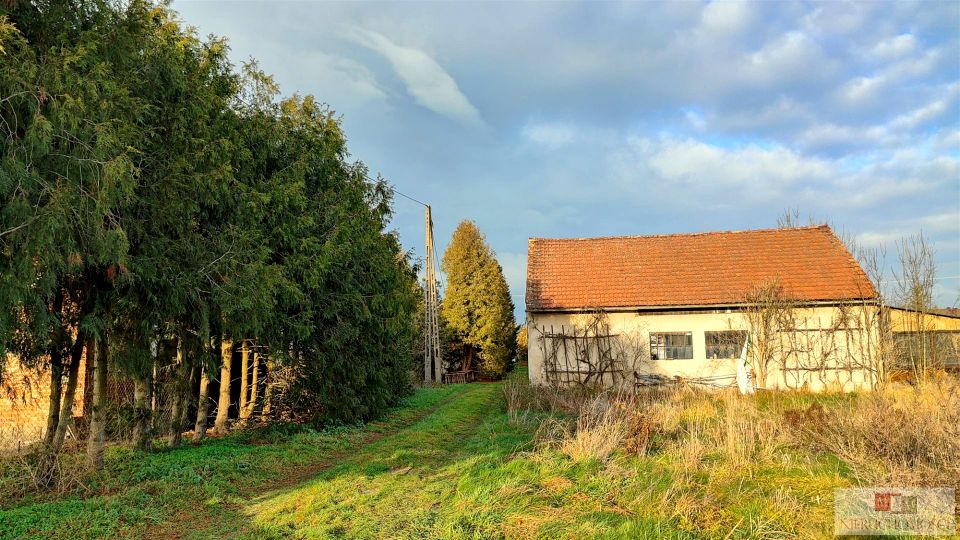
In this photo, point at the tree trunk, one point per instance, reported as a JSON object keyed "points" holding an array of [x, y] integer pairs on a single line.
{"points": [[200, 426], [268, 393], [89, 347], [99, 410], [469, 364], [69, 395], [244, 375], [156, 419], [179, 402], [223, 404], [143, 411], [254, 381], [56, 375], [251, 404], [53, 411]]}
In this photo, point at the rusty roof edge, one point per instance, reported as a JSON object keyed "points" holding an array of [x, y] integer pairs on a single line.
{"points": [[533, 239], [932, 312], [821, 302]]}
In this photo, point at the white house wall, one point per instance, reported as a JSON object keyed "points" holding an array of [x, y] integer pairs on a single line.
{"points": [[635, 328]]}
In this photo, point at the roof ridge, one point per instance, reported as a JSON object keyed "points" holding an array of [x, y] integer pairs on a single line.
{"points": [[700, 233]]}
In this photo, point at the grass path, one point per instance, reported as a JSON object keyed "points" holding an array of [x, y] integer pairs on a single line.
{"points": [[395, 487], [374, 488], [202, 491]]}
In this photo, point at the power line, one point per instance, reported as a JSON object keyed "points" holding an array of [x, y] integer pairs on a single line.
{"points": [[398, 192], [411, 198], [425, 205], [404, 195]]}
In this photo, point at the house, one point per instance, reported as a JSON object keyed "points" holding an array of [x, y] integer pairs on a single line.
{"points": [[792, 305], [926, 338]]}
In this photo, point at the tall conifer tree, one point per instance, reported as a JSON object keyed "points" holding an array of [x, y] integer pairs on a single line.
{"points": [[477, 305]]}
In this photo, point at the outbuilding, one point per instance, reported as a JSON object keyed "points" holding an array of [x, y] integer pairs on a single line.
{"points": [[791, 307]]}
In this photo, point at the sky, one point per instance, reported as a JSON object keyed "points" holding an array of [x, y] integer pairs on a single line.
{"points": [[566, 119]]}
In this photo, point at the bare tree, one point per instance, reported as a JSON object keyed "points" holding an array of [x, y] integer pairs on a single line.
{"points": [[914, 291], [874, 336], [632, 349], [768, 312], [859, 335], [789, 219]]}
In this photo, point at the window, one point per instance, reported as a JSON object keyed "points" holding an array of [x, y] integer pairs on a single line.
{"points": [[672, 346], [941, 349], [725, 344]]}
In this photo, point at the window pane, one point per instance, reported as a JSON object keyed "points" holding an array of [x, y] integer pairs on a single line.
{"points": [[671, 346], [724, 344]]}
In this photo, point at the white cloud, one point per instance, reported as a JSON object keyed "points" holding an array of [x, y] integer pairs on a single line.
{"points": [[755, 174], [696, 162], [894, 47], [920, 116], [947, 140], [726, 18], [878, 239], [829, 135], [862, 89], [895, 133], [836, 18], [914, 67], [793, 56], [785, 112], [348, 79], [427, 82], [935, 226], [550, 134], [946, 222], [931, 111], [695, 119], [867, 90], [785, 51]]}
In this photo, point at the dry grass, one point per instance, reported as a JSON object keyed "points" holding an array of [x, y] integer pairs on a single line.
{"points": [[900, 436], [583, 423], [601, 427], [37, 471], [524, 400], [906, 436], [719, 464]]}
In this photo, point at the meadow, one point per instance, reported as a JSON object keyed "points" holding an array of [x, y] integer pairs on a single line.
{"points": [[495, 460]]}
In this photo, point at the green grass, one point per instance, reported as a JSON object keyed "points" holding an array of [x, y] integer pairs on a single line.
{"points": [[449, 463]]}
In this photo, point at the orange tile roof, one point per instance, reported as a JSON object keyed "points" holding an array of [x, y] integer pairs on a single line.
{"points": [[713, 268]]}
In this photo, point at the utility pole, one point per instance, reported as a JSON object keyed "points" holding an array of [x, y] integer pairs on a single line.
{"points": [[432, 363]]}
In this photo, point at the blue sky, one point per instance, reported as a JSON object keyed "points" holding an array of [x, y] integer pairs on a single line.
{"points": [[593, 119]]}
